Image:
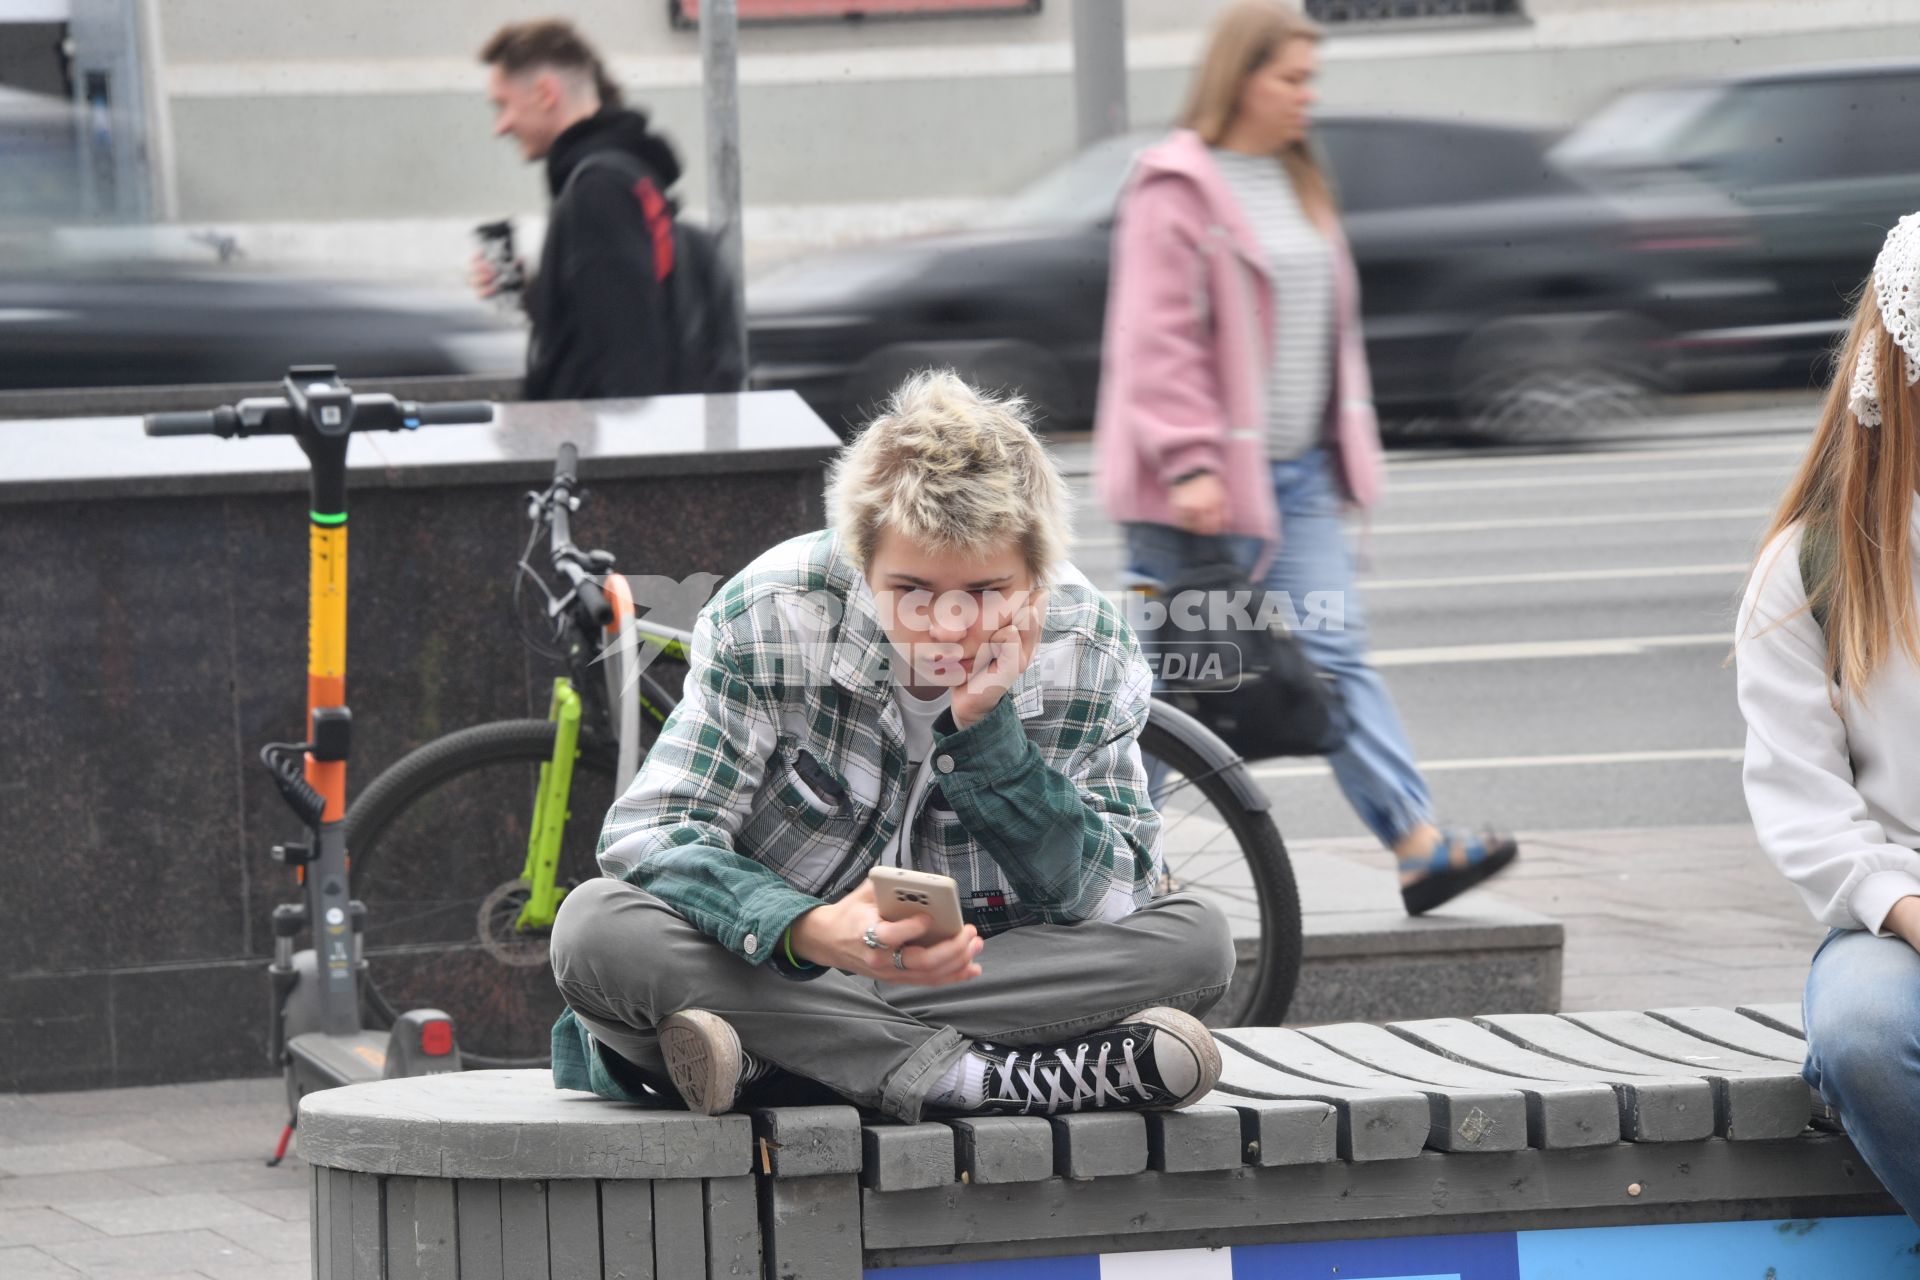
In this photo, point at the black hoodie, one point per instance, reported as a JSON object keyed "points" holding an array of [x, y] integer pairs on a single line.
{"points": [[599, 302]]}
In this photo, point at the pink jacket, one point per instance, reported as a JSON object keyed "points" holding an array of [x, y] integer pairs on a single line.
{"points": [[1189, 341]]}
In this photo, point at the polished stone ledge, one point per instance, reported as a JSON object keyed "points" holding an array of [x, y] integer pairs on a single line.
{"points": [[46, 460]]}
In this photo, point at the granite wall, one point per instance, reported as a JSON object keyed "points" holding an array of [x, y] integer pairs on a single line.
{"points": [[153, 631]]}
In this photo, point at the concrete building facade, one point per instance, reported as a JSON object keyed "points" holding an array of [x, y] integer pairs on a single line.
{"points": [[355, 133]]}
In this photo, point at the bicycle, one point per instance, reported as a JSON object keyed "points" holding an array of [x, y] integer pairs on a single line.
{"points": [[316, 1035], [471, 933], [461, 930]]}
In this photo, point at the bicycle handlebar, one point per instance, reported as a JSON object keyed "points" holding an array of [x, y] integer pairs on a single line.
{"points": [[568, 560], [593, 599]]}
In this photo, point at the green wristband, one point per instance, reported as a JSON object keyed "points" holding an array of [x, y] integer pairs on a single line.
{"points": [[786, 942]]}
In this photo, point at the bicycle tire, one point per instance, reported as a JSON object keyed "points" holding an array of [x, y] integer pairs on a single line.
{"points": [[1269, 960], [472, 789], [1263, 988]]}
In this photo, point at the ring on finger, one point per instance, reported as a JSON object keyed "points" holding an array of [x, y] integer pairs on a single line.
{"points": [[872, 939], [899, 961]]}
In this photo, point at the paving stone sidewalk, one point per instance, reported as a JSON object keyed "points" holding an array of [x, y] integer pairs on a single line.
{"points": [[169, 1183]]}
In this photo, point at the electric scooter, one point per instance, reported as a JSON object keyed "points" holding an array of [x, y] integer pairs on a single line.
{"points": [[316, 1036]]}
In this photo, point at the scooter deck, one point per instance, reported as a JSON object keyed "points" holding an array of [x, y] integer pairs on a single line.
{"points": [[321, 1061]]}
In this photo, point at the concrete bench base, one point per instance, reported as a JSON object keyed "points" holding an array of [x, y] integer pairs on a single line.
{"points": [[1498, 1134]]}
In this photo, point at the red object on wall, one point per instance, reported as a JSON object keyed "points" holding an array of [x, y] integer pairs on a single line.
{"points": [[686, 13]]}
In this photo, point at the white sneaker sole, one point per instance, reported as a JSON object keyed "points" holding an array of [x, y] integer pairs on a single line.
{"points": [[1193, 1036], [703, 1060]]}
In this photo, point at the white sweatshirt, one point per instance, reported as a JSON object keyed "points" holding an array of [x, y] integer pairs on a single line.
{"points": [[1836, 801]]}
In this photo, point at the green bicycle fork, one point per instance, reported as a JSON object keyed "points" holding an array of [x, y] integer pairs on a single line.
{"points": [[550, 811]]}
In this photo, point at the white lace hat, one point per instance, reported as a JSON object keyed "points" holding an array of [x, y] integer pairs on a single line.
{"points": [[1896, 288]]}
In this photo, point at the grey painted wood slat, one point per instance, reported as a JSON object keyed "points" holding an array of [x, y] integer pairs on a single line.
{"points": [[573, 1229], [904, 1157], [1287, 1131], [523, 1230], [1756, 1097], [1451, 1193], [400, 1222], [1194, 1138], [1002, 1148], [1672, 1108], [1736, 1031], [320, 1227], [626, 1229], [1099, 1144], [1472, 1119], [476, 1211], [369, 1233], [1646, 1034], [422, 1238], [1558, 1114], [1769, 1104], [733, 1228], [340, 1220], [1781, 1017], [805, 1142], [813, 1226], [1373, 1124], [679, 1228]]}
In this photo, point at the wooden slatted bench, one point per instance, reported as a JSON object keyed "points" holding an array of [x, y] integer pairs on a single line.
{"points": [[1455, 1142]]}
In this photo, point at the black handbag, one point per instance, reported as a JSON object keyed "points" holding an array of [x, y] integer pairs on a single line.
{"points": [[1250, 683]]}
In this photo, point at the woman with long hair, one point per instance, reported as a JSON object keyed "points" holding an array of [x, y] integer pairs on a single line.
{"points": [[1235, 399], [1828, 654]]}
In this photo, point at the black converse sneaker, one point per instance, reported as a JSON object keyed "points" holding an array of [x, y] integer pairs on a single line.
{"points": [[705, 1060], [1160, 1059]]}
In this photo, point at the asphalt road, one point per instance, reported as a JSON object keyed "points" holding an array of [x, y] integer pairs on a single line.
{"points": [[1554, 621]]}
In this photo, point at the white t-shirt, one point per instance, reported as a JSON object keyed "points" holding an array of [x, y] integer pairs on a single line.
{"points": [[919, 714]]}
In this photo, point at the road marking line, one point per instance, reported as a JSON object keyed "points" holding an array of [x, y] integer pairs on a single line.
{"points": [[1622, 647], [1564, 575], [1430, 527], [1710, 755], [1597, 456], [1569, 522], [1395, 489]]}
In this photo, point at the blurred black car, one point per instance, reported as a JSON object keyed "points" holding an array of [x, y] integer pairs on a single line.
{"points": [[123, 321], [104, 305], [1496, 289], [1816, 162]]}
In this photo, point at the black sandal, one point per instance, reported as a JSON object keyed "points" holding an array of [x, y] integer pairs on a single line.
{"points": [[1459, 861]]}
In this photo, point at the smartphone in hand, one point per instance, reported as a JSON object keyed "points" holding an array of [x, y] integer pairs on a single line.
{"points": [[903, 894]]}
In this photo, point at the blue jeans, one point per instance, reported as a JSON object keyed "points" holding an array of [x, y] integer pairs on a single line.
{"points": [[1862, 1010], [1313, 567]]}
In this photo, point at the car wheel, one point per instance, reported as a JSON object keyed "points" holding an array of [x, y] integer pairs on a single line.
{"points": [[1555, 378]]}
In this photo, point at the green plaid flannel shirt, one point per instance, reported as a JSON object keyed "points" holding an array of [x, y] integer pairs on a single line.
{"points": [[782, 776]]}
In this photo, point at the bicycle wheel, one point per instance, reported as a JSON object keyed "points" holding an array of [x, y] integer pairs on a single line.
{"points": [[1218, 849], [437, 845]]}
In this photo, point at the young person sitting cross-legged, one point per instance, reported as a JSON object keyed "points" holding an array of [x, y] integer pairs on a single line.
{"points": [[927, 684]]}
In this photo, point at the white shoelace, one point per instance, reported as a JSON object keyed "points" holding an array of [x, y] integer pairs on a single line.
{"points": [[1064, 1083]]}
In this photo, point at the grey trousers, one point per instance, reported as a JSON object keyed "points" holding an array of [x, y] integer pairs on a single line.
{"points": [[624, 959]]}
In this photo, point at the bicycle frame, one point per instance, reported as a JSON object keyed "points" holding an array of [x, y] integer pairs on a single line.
{"points": [[618, 654]]}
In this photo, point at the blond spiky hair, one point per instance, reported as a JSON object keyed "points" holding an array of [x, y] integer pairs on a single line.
{"points": [[952, 469]]}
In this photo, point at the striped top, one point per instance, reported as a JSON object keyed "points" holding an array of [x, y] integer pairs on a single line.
{"points": [[1300, 264]]}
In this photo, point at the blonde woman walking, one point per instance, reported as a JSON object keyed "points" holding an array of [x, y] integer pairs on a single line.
{"points": [[1235, 399]]}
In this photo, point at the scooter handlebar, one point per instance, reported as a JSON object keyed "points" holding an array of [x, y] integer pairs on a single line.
{"points": [[198, 422]]}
